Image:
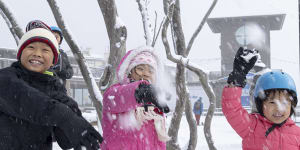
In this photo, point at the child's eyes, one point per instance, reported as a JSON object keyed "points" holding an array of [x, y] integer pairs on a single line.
{"points": [[30, 47], [46, 50], [141, 69]]}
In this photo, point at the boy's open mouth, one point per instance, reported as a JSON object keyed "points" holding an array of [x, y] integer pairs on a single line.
{"points": [[35, 62]]}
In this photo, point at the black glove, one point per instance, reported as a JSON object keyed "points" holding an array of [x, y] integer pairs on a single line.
{"points": [[164, 109], [91, 139], [241, 66], [78, 131], [145, 93]]}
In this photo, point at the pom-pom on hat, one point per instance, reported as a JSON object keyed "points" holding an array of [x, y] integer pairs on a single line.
{"points": [[39, 35]]}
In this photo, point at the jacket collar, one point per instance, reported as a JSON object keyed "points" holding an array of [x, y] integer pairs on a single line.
{"points": [[28, 75]]}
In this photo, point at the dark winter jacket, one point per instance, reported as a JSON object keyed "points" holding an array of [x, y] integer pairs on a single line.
{"points": [[63, 69], [32, 106]]}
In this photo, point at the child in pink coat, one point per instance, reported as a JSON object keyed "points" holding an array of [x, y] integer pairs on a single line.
{"points": [[275, 97], [132, 115]]}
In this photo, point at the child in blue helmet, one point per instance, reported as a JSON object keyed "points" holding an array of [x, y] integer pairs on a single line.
{"points": [[63, 68], [275, 96]]}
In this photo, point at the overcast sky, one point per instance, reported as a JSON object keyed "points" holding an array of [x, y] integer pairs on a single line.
{"points": [[85, 21]]}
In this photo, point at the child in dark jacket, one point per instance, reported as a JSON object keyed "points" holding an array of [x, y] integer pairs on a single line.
{"points": [[275, 97], [63, 68], [34, 104]]}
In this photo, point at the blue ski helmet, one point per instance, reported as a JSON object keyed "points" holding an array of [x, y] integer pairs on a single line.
{"points": [[274, 80], [57, 30]]}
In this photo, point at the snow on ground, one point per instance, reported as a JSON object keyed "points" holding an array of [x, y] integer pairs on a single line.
{"points": [[220, 129], [224, 136]]}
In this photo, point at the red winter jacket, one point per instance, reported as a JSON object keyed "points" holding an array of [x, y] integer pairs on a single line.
{"points": [[252, 127]]}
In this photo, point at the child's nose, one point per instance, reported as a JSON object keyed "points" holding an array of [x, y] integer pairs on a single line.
{"points": [[37, 53], [147, 74]]}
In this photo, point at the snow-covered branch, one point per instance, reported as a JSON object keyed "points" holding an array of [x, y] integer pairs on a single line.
{"points": [[86, 73], [11, 22], [157, 33], [143, 7], [200, 26], [10, 27], [117, 34], [178, 41]]}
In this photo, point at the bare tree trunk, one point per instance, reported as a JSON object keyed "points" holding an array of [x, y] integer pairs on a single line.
{"points": [[203, 77], [181, 88], [181, 49], [14, 28], [117, 34], [86, 73]]}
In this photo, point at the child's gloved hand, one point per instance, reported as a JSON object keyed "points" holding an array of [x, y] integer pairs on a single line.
{"points": [[91, 139], [78, 131], [243, 62], [145, 93], [165, 109]]}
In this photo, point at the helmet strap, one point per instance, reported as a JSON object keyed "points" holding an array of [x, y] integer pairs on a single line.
{"points": [[273, 127]]}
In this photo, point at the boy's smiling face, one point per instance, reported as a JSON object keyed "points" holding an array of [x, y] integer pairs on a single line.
{"points": [[37, 57], [277, 107]]}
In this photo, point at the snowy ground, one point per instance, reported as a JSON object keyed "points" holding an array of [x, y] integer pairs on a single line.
{"points": [[224, 136], [220, 129]]}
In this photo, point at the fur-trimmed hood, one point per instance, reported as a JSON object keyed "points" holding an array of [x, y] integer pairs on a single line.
{"points": [[123, 68]]}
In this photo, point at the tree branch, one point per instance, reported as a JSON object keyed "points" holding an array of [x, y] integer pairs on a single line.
{"points": [[200, 27], [154, 31], [11, 21], [86, 73], [10, 27], [117, 34], [146, 21], [160, 26]]}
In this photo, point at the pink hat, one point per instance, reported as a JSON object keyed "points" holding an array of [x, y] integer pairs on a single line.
{"points": [[140, 55], [144, 57]]}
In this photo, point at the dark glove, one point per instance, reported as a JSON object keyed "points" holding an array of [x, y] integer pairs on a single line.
{"points": [[165, 109], [145, 94], [91, 139], [241, 66], [79, 132]]}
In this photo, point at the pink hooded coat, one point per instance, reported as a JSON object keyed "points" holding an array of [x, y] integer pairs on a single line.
{"points": [[252, 127], [121, 131]]}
